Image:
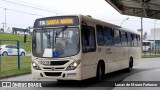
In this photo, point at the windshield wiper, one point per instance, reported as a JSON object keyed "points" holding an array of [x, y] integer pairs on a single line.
{"points": [[58, 33]]}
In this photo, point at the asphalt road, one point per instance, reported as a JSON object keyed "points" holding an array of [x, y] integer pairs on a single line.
{"points": [[146, 70]]}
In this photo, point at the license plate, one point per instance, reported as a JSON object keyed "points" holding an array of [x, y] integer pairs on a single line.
{"points": [[45, 62]]}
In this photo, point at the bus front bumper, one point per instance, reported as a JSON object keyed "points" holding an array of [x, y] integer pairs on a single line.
{"points": [[59, 75]]}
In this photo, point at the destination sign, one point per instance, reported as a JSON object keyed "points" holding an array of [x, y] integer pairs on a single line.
{"points": [[56, 21]]}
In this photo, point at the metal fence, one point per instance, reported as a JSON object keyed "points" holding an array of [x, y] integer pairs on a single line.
{"points": [[15, 57], [151, 50]]}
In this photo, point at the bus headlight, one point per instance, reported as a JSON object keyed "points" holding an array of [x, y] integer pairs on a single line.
{"points": [[35, 66], [73, 65]]}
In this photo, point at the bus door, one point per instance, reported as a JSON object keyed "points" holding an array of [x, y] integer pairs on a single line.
{"points": [[102, 51], [89, 51]]}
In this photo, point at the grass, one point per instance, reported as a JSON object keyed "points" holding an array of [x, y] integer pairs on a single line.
{"points": [[26, 46], [150, 56], [9, 66], [13, 37]]}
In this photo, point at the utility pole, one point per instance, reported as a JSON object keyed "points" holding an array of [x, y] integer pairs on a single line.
{"points": [[154, 36], [5, 10], [141, 34], [3, 27]]}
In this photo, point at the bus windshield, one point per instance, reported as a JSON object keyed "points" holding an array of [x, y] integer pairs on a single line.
{"points": [[57, 42], [146, 43]]}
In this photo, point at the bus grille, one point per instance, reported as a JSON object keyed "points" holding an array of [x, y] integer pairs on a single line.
{"points": [[53, 73], [56, 68], [58, 62]]}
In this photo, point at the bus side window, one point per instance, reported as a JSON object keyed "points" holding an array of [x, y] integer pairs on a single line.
{"points": [[108, 36], [100, 36], [124, 38], [130, 39], [135, 40], [139, 40], [88, 39], [117, 38]]}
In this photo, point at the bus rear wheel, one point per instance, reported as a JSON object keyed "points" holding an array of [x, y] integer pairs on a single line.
{"points": [[58, 80], [100, 72], [130, 66]]}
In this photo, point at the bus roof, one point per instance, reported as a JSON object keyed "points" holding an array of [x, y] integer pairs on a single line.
{"points": [[129, 30], [87, 18], [146, 41], [104, 23]]}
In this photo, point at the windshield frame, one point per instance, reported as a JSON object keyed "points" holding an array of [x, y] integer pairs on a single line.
{"points": [[52, 29]]}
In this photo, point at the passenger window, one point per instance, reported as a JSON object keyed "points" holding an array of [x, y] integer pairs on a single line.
{"points": [[88, 39], [124, 38], [139, 40], [100, 36], [108, 36], [130, 39], [135, 40], [117, 38]]}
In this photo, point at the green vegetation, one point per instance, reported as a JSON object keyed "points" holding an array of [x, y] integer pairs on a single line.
{"points": [[150, 56], [9, 66], [26, 46], [14, 37]]}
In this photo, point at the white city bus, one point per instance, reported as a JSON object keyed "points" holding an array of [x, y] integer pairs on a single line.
{"points": [[147, 46], [77, 47]]}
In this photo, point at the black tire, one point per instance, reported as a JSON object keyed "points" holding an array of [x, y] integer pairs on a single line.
{"points": [[60, 81], [22, 54], [130, 65], [100, 73], [4, 54]]}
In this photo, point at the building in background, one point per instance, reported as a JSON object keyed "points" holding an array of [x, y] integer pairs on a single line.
{"points": [[20, 31]]}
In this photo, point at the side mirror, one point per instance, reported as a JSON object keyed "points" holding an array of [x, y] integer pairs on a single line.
{"points": [[25, 38]]}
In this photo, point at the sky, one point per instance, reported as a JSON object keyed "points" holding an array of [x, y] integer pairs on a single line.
{"points": [[22, 13]]}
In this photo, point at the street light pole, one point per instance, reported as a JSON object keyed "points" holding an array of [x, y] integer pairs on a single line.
{"points": [[123, 21]]}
